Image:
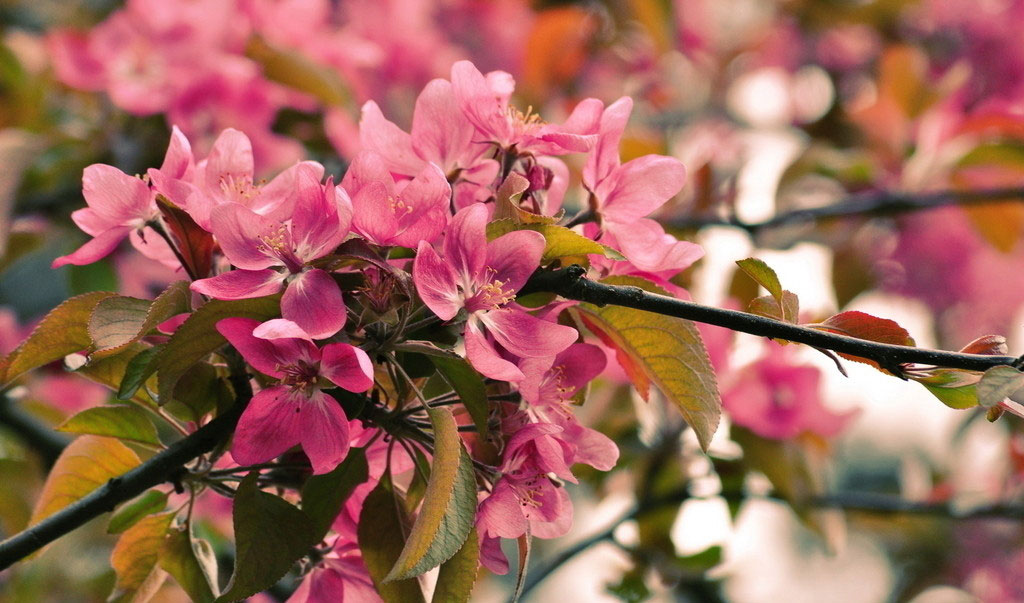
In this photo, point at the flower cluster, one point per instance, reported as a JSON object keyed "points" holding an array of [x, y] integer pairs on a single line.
{"points": [[423, 214]]}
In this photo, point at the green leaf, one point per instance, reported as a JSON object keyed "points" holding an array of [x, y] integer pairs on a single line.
{"points": [[381, 532], [120, 421], [956, 388], [458, 575], [198, 337], [271, 534], [999, 383], [199, 391], [192, 564], [295, 70], [449, 504], [149, 502], [61, 332], [118, 321], [763, 274], [788, 310], [135, 557], [137, 371], [111, 371], [560, 241], [86, 464], [461, 376], [664, 350], [324, 495]]}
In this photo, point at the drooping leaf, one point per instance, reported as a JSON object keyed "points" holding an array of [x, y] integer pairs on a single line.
{"points": [[191, 563], [324, 495], [198, 337], [195, 244], [121, 421], [955, 388], [61, 332], [560, 242], [868, 327], [271, 534], [381, 532], [525, 548], [135, 557], [664, 350], [137, 370], [462, 377], [449, 504], [999, 383], [458, 575], [118, 321], [86, 464], [297, 71], [149, 502]]}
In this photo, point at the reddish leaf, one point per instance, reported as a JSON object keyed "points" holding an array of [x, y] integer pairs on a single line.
{"points": [[867, 327], [990, 345], [194, 243]]}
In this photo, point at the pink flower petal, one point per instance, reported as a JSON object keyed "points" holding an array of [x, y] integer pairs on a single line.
{"points": [[640, 187], [277, 198], [465, 243], [378, 134], [647, 246], [372, 215], [279, 328], [241, 234], [116, 196], [316, 226], [240, 284], [95, 249], [440, 133], [435, 282], [527, 336], [265, 355], [272, 423], [514, 257], [313, 301], [324, 430], [230, 158], [347, 366], [605, 157], [481, 354], [500, 514]]}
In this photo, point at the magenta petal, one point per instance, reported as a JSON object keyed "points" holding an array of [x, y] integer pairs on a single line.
{"points": [[265, 355], [271, 424], [527, 336], [426, 200], [378, 134], [372, 216], [116, 196], [347, 366], [240, 284], [500, 515], [95, 249], [485, 359], [324, 430], [240, 232], [514, 257], [313, 301], [466, 241], [435, 282], [580, 363], [316, 225]]}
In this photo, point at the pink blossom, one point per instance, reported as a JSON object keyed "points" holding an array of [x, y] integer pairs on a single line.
{"points": [[483, 277], [296, 410], [271, 255], [389, 213], [340, 576], [485, 102], [780, 400]]}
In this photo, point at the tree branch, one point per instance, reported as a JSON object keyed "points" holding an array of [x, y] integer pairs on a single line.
{"points": [[872, 204], [571, 284], [162, 467], [37, 435]]}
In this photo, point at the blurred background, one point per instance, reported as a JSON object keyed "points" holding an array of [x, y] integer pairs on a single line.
{"points": [[877, 492]]}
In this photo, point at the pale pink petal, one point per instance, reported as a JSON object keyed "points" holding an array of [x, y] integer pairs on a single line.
{"points": [[230, 158], [552, 518], [313, 301], [279, 328], [527, 336], [514, 257], [241, 234], [648, 247], [272, 423], [316, 225], [116, 196], [466, 241], [74, 64], [423, 207], [240, 284], [435, 282], [605, 157], [347, 366], [323, 431], [491, 555], [277, 198], [485, 359], [372, 216], [92, 223], [641, 186], [500, 514], [95, 249], [367, 168], [592, 447], [485, 106], [440, 133], [178, 160], [378, 134]]}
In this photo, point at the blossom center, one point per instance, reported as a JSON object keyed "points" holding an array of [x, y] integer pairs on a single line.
{"points": [[240, 189], [277, 244], [300, 375]]}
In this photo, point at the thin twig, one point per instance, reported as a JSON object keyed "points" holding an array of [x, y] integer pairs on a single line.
{"points": [[571, 284]]}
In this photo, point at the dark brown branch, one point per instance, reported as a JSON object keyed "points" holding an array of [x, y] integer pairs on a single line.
{"points": [[37, 436], [162, 467], [873, 204], [571, 284]]}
